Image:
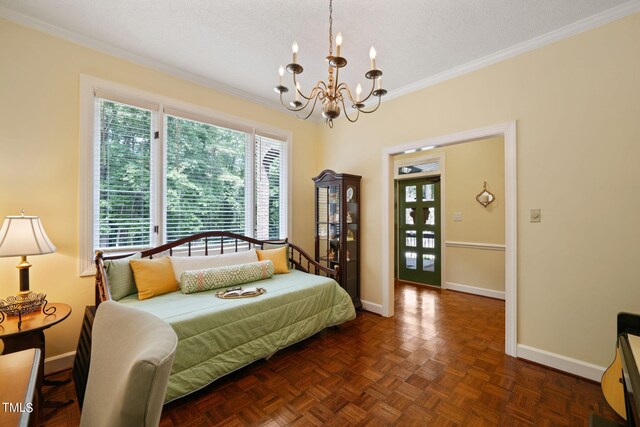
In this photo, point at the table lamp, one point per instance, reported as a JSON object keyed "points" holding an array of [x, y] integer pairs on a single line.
{"points": [[23, 236]]}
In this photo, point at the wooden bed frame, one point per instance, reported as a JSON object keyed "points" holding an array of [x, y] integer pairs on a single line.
{"points": [[212, 243], [209, 243]]}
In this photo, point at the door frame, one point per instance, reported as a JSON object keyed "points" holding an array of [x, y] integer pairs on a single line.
{"points": [[508, 132], [441, 158]]}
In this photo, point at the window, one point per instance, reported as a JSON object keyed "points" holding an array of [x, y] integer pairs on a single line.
{"points": [[123, 176], [156, 173], [418, 166], [269, 179], [418, 169], [205, 178]]}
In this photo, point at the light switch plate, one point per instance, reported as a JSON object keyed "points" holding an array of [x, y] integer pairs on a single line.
{"points": [[536, 215], [457, 216]]}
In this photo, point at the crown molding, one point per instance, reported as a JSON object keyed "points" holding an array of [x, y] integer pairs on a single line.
{"points": [[109, 49], [594, 21], [615, 13]]}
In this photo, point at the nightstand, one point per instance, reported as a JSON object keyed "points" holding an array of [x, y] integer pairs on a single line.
{"points": [[30, 334]]}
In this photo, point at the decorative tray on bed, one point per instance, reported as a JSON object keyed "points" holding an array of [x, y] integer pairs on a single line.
{"points": [[240, 293]]}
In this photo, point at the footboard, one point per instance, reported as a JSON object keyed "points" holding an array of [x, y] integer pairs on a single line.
{"points": [[211, 243]]}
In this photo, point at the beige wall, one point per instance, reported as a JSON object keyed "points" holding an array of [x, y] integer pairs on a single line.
{"points": [[467, 167], [39, 154], [577, 108], [476, 268]]}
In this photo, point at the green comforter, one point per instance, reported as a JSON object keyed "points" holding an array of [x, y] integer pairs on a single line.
{"points": [[218, 336]]}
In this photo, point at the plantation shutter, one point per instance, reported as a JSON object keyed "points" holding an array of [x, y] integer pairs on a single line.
{"points": [[205, 178], [270, 200], [123, 179]]}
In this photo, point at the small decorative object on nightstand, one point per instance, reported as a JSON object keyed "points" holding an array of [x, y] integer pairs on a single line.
{"points": [[20, 305], [24, 236], [338, 228]]}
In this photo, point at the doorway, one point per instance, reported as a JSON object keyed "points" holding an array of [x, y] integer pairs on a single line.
{"points": [[508, 131], [419, 231]]}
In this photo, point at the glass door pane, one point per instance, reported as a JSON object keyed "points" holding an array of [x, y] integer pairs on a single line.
{"points": [[419, 231]]}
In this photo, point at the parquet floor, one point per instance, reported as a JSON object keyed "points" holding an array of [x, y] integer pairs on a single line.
{"points": [[439, 362]]}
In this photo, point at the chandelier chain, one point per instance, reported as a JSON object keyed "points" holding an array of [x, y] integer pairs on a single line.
{"points": [[331, 27]]}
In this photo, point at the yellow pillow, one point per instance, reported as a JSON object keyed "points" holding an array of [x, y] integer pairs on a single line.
{"points": [[153, 277], [277, 256]]}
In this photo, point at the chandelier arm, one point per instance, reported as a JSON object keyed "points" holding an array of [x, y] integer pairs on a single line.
{"points": [[319, 91], [371, 111], [373, 86], [320, 86], [344, 87], [344, 107], [313, 107], [295, 87], [293, 109], [314, 93], [285, 105]]}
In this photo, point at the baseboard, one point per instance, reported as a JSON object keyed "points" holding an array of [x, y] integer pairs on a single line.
{"points": [[374, 308], [474, 290], [562, 363], [59, 363]]}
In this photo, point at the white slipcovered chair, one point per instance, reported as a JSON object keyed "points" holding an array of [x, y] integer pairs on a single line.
{"points": [[132, 353]]}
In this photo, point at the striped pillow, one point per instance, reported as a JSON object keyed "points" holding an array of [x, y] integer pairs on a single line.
{"points": [[221, 277]]}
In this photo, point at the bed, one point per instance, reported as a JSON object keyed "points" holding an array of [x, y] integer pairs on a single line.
{"points": [[218, 336]]}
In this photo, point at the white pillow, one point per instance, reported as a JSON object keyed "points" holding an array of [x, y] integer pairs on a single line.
{"points": [[187, 263]]}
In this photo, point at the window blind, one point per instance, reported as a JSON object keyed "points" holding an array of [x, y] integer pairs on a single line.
{"points": [[124, 184], [205, 178]]}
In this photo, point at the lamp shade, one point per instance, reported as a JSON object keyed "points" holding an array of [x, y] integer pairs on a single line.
{"points": [[23, 236]]}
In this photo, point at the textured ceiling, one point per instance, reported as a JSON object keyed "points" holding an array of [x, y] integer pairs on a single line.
{"points": [[239, 44]]}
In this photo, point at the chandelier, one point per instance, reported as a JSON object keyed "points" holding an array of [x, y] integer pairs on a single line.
{"points": [[331, 94]]}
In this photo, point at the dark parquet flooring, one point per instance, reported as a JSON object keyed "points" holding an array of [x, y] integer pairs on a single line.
{"points": [[439, 361]]}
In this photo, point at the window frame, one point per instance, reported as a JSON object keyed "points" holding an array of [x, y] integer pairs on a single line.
{"points": [[438, 158], [92, 87], [284, 174]]}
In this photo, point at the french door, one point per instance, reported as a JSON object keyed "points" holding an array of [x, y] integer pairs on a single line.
{"points": [[418, 220]]}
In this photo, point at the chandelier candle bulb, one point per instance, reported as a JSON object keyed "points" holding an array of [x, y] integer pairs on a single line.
{"points": [[358, 92], [338, 44], [372, 55], [281, 73], [298, 91], [379, 83], [294, 49]]}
